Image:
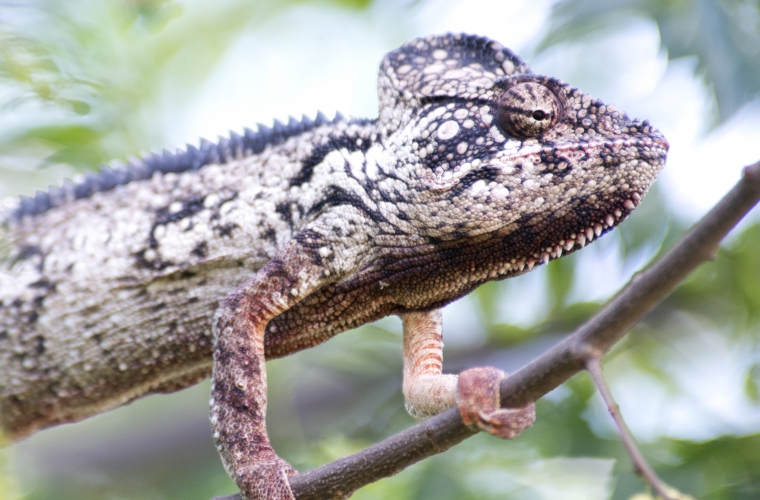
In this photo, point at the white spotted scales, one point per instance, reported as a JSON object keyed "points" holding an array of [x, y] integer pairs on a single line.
{"points": [[476, 169]]}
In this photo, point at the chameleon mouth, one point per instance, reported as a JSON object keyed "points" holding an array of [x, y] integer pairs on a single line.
{"points": [[574, 240], [619, 210]]}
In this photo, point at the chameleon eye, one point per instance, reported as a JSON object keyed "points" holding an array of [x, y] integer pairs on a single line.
{"points": [[527, 109]]}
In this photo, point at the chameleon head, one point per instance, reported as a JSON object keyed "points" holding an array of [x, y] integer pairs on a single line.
{"points": [[525, 165]]}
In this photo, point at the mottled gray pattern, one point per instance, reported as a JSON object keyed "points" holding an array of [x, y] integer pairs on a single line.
{"points": [[475, 170], [112, 295]]}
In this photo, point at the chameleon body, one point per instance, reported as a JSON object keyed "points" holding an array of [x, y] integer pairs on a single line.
{"points": [[146, 276]]}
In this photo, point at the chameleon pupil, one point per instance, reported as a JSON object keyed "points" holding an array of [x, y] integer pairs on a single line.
{"points": [[539, 114]]}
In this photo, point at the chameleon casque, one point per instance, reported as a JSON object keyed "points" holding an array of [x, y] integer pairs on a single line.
{"points": [[147, 276]]}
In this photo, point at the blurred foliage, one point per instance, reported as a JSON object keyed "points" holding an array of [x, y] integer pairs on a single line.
{"points": [[84, 81], [88, 87], [723, 36]]}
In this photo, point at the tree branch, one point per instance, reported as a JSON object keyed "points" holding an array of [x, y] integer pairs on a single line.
{"points": [[339, 479], [640, 465]]}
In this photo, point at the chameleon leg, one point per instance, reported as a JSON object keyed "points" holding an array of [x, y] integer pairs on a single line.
{"points": [[475, 391], [427, 391], [238, 394]]}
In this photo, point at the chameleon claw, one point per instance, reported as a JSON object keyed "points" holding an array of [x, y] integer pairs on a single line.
{"points": [[478, 402]]}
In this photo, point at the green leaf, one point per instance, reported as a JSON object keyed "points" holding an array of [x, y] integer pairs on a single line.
{"points": [[751, 385], [502, 334], [560, 279]]}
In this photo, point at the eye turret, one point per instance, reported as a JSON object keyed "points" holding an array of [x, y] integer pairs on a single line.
{"points": [[527, 109]]}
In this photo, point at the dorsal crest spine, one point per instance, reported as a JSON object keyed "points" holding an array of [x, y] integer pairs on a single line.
{"points": [[192, 158]]}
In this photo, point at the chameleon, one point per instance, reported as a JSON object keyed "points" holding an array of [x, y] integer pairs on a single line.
{"points": [[154, 274]]}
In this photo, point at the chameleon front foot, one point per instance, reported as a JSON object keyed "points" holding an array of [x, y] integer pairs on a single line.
{"points": [[266, 480], [478, 403]]}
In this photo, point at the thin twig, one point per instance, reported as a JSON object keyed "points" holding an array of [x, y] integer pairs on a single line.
{"points": [[339, 479], [640, 464]]}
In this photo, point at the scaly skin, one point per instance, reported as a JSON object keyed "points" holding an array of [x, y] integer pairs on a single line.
{"points": [[475, 170]]}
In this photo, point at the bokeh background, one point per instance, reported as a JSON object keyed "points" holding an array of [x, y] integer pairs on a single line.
{"points": [[86, 81]]}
